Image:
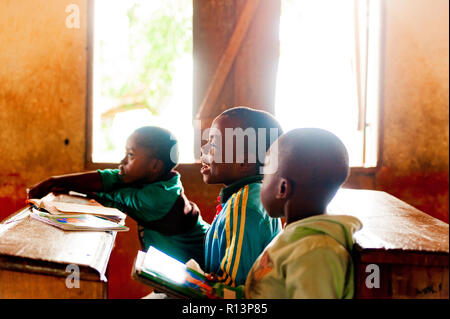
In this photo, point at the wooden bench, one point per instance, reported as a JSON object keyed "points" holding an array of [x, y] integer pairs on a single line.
{"points": [[407, 249], [41, 261]]}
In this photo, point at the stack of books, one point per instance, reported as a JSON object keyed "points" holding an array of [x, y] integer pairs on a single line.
{"points": [[70, 212]]}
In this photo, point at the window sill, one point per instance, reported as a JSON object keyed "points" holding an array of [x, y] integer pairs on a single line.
{"points": [[355, 172]]}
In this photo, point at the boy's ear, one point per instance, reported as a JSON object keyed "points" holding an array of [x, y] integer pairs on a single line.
{"points": [[284, 189], [156, 165]]}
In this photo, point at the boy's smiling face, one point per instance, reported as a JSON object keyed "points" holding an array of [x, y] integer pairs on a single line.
{"points": [[138, 164], [214, 168]]}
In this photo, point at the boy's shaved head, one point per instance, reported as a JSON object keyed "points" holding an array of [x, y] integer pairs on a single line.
{"points": [[161, 143], [313, 157], [246, 117], [307, 167]]}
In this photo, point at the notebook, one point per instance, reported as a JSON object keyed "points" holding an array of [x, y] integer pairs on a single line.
{"points": [[168, 275]]}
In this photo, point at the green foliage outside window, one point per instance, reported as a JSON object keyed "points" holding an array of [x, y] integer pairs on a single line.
{"points": [[159, 33], [155, 43]]}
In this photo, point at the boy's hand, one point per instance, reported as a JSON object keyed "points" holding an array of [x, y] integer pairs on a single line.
{"points": [[211, 277], [41, 189]]}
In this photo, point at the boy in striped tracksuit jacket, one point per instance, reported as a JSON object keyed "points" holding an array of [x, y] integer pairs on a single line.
{"points": [[241, 229]]}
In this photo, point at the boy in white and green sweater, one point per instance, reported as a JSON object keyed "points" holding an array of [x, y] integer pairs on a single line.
{"points": [[311, 257]]}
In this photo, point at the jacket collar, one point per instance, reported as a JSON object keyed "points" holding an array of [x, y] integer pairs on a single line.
{"points": [[226, 192]]}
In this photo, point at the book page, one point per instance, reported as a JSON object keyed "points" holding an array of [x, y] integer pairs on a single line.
{"points": [[64, 198], [157, 262], [85, 209]]}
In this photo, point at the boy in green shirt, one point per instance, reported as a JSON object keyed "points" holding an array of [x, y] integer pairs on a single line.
{"points": [[311, 257], [147, 189]]}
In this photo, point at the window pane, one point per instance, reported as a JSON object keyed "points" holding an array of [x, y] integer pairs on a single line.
{"points": [[142, 73], [316, 85]]}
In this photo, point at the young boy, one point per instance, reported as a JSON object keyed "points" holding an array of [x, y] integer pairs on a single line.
{"points": [[311, 257], [241, 228], [147, 189]]}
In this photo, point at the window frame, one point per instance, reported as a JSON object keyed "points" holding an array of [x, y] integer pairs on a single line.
{"points": [[355, 172]]}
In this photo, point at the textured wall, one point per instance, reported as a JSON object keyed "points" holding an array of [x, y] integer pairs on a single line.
{"points": [[416, 110], [42, 95]]}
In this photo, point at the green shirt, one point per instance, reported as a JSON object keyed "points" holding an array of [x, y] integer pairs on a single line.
{"points": [[150, 202]]}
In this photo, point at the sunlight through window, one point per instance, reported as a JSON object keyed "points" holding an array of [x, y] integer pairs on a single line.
{"points": [[329, 52], [142, 73]]}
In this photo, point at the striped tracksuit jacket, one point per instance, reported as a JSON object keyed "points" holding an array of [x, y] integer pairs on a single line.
{"points": [[239, 233]]}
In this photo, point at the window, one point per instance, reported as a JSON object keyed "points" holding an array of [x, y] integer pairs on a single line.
{"points": [[328, 73], [141, 73]]}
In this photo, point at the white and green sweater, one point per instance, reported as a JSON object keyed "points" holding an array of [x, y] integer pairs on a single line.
{"points": [[310, 258]]}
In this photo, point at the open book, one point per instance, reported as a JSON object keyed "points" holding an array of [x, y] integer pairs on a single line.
{"points": [[70, 212], [76, 205], [168, 275]]}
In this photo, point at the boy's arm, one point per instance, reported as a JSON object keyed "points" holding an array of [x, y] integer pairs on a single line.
{"points": [[142, 204], [79, 182]]}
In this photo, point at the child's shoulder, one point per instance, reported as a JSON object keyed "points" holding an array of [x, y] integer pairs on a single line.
{"points": [[111, 179], [287, 247], [321, 232], [173, 178], [254, 198], [248, 202], [248, 194], [164, 187]]}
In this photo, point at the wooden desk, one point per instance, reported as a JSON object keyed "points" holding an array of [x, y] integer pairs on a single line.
{"points": [[410, 248], [34, 257]]}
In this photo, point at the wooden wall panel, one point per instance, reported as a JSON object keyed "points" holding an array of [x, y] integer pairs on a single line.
{"points": [[257, 62], [213, 25], [251, 79]]}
